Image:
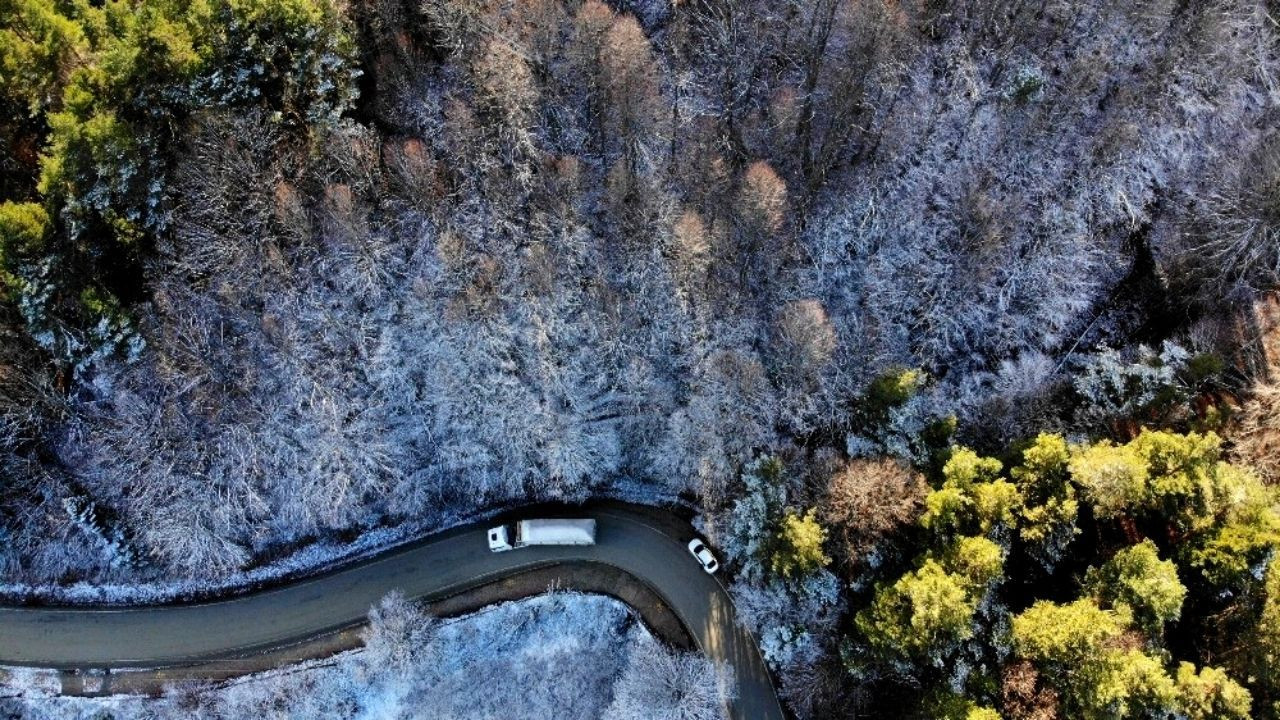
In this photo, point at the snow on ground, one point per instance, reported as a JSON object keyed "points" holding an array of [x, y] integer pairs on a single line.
{"points": [[562, 655], [29, 682]]}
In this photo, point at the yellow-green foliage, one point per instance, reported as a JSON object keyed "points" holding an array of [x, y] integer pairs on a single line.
{"points": [[1178, 476], [1044, 462], [117, 76], [1245, 532], [1138, 580], [973, 498], [1179, 480], [1269, 620], [966, 467], [1080, 649], [1185, 476], [1050, 508], [1114, 477], [24, 229], [1066, 635], [956, 707], [927, 611], [891, 389], [1075, 646], [797, 548], [1128, 684], [894, 387], [1049, 527], [38, 47], [1100, 654], [1211, 694], [977, 559], [286, 13]]}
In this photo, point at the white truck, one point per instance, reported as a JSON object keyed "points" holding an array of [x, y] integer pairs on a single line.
{"points": [[522, 533]]}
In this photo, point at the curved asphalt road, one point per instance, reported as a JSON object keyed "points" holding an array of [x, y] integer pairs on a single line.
{"points": [[455, 561]]}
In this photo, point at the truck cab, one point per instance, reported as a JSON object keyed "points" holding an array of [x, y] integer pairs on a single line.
{"points": [[499, 539]]}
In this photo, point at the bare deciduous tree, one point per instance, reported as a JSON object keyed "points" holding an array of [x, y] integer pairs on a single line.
{"points": [[662, 683], [1235, 246], [804, 339], [868, 501], [506, 87], [630, 78]]}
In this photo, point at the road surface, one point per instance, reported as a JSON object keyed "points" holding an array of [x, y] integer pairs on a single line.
{"points": [[643, 544]]}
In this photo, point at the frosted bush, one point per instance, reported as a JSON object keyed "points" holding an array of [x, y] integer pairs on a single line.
{"points": [[751, 519], [658, 683], [1112, 384], [794, 620]]}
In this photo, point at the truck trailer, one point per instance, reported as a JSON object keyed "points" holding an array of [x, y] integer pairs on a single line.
{"points": [[523, 533]]}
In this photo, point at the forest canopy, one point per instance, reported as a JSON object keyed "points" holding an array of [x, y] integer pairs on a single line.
{"points": [[953, 321]]}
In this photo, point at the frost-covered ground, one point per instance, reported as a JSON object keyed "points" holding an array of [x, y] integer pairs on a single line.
{"points": [[563, 655]]}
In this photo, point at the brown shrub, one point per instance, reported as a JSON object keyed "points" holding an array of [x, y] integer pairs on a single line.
{"points": [[867, 501], [1257, 434], [1257, 437], [1023, 697]]}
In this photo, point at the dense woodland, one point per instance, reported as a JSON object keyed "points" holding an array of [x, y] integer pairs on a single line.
{"points": [[950, 318]]}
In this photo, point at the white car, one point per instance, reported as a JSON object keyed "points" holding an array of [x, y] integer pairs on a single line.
{"points": [[704, 557]]}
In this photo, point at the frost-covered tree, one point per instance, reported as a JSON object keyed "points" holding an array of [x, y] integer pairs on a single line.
{"points": [[661, 683], [397, 634], [803, 340], [506, 88], [1231, 246], [1111, 387]]}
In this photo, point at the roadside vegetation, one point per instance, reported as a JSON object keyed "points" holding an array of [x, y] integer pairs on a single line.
{"points": [[954, 321], [572, 656]]}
